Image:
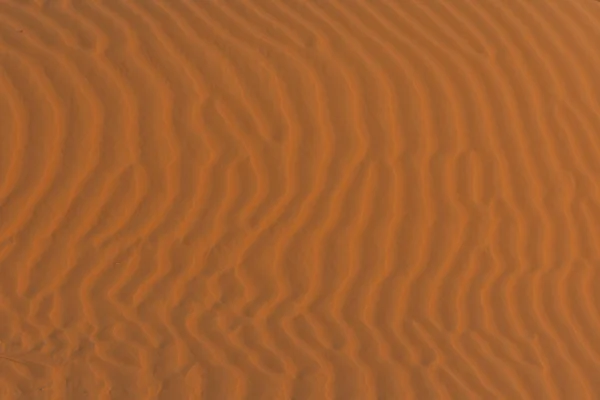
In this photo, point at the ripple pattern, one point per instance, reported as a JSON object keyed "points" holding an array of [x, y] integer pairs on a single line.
{"points": [[299, 199]]}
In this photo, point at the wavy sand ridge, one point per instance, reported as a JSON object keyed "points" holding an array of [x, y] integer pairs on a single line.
{"points": [[294, 200]]}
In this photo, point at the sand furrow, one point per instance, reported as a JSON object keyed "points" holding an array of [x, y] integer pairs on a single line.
{"points": [[14, 115]]}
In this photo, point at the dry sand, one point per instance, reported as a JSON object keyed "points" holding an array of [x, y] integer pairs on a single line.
{"points": [[299, 199]]}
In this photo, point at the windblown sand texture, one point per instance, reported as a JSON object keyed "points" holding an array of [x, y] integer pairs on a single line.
{"points": [[327, 199]]}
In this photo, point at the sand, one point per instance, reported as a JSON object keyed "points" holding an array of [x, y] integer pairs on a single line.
{"points": [[362, 199]]}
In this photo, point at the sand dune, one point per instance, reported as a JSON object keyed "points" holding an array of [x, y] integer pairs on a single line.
{"points": [[299, 199]]}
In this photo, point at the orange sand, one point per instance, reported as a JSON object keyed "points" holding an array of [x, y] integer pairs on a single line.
{"points": [[362, 199]]}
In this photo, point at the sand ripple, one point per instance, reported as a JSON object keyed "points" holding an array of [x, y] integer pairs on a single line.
{"points": [[299, 199]]}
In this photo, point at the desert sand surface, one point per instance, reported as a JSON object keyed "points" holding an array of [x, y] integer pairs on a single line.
{"points": [[362, 199]]}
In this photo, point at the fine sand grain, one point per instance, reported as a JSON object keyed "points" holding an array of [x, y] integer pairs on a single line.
{"points": [[353, 200]]}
